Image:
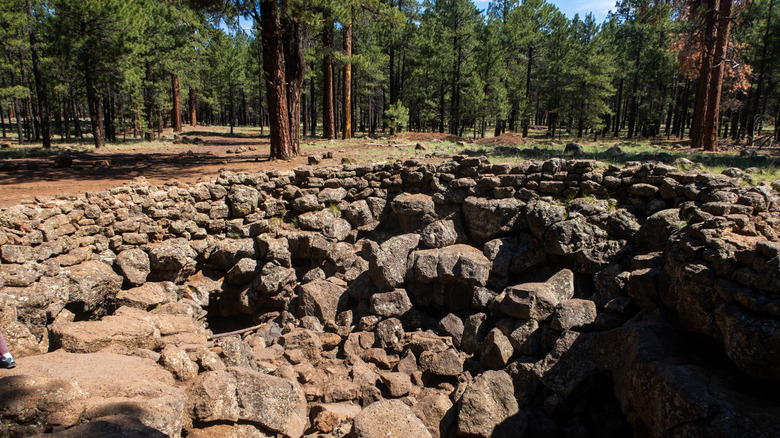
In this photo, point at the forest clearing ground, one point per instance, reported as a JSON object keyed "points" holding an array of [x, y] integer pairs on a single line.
{"points": [[201, 153]]}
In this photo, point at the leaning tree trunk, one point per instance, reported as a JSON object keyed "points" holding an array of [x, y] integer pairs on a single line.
{"points": [[716, 79], [328, 110], [40, 85], [273, 69], [347, 101], [176, 110]]}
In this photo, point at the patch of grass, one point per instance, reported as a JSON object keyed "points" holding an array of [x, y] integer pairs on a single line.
{"points": [[334, 209]]}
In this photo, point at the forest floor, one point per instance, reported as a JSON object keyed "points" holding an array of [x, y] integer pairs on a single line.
{"points": [[198, 154]]}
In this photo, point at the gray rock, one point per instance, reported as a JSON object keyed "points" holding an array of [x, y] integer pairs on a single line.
{"points": [[657, 229], [751, 341], [414, 211], [394, 303], [459, 264], [441, 363], [306, 203], [277, 404], [244, 272], [486, 403], [388, 418], [488, 218], [542, 215], [451, 326], [495, 350], [574, 314], [572, 236], [92, 283], [358, 213], [439, 234], [390, 333], [316, 220], [474, 331], [18, 254], [528, 301], [568, 365], [228, 251], [134, 266], [387, 262], [322, 299], [243, 200], [329, 195], [526, 338], [574, 149], [176, 360], [171, 260]]}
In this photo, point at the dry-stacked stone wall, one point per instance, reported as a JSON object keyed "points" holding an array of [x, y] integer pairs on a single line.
{"points": [[464, 298]]}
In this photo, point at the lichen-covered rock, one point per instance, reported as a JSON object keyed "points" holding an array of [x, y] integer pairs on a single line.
{"points": [[488, 402], [134, 265], [243, 200], [177, 361], [322, 299], [387, 262], [439, 234], [394, 303], [414, 211], [488, 218], [751, 341], [171, 260], [277, 404], [92, 283], [388, 418], [574, 314]]}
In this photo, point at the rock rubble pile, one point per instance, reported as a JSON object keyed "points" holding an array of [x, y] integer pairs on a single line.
{"points": [[552, 298]]}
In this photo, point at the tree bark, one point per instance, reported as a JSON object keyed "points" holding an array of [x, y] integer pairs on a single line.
{"points": [[328, 110], [716, 79], [95, 107], [295, 73], [273, 69], [705, 68], [40, 85], [18, 121], [176, 110], [347, 107], [527, 112], [193, 108]]}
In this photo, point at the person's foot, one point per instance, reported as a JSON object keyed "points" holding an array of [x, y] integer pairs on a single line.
{"points": [[7, 362]]}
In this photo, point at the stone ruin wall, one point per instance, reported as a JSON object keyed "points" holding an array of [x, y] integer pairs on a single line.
{"points": [[559, 277]]}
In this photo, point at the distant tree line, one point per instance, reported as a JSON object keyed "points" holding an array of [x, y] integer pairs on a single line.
{"points": [[697, 69]]}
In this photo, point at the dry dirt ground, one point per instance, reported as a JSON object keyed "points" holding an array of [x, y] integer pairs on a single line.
{"points": [[25, 178]]}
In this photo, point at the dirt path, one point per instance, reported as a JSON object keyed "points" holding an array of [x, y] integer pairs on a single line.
{"points": [[28, 178]]}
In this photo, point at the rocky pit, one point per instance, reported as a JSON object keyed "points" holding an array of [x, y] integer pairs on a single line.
{"points": [[555, 298]]}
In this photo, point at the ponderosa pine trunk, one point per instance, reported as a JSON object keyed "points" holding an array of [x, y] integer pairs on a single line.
{"points": [[176, 110], [703, 85], [716, 76], [295, 73], [328, 110], [40, 85], [347, 101], [193, 108], [276, 88], [527, 112], [95, 107]]}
